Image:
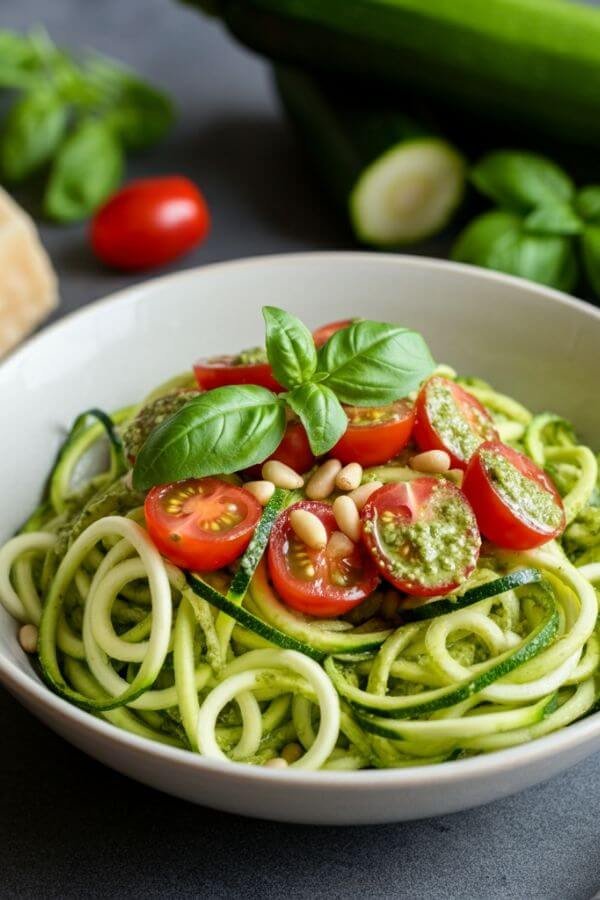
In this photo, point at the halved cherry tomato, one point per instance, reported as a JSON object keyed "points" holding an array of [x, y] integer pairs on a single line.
{"points": [[315, 581], [516, 504], [150, 222], [201, 523], [422, 535], [451, 419], [222, 370], [375, 434], [322, 334]]}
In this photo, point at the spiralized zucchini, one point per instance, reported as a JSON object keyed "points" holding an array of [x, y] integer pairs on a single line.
{"points": [[129, 637]]}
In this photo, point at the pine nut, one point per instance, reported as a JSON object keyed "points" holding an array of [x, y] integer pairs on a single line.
{"points": [[292, 752], [362, 493], [28, 638], [347, 517], [339, 545], [261, 490], [322, 483], [432, 462], [309, 529], [455, 475], [276, 763], [350, 477], [281, 475]]}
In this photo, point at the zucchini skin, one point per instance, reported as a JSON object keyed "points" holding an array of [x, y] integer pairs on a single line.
{"points": [[341, 135], [534, 63]]}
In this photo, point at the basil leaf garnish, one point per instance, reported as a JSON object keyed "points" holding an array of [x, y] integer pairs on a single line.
{"points": [[497, 240], [587, 203], [373, 364], [590, 250], [554, 218], [32, 132], [321, 413], [290, 347], [521, 181], [221, 431]]}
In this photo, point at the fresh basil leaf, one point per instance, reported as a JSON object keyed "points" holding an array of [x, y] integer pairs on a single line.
{"points": [[290, 347], [590, 251], [321, 413], [587, 203], [554, 218], [496, 240], [141, 115], [521, 181], [87, 169], [373, 364], [219, 432], [33, 129], [20, 62]]}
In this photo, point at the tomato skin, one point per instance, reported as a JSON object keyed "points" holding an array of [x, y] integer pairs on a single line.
{"points": [[294, 450], [321, 335], [477, 418], [410, 502], [180, 537], [318, 597], [223, 370], [371, 445], [497, 520], [149, 223]]}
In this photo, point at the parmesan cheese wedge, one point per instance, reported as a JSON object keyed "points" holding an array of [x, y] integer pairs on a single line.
{"points": [[28, 283]]}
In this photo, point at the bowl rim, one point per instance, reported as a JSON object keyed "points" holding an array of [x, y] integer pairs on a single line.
{"points": [[437, 775]]}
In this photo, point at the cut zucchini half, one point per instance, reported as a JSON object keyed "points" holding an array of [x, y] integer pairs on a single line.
{"points": [[407, 194]]}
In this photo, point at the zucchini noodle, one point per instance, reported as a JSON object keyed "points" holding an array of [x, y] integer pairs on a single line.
{"points": [[218, 664]]}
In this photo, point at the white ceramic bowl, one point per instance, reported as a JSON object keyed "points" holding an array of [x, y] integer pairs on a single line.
{"points": [[536, 344]]}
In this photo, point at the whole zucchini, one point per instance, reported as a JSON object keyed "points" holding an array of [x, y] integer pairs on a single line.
{"points": [[397, 182], [534, 63]]}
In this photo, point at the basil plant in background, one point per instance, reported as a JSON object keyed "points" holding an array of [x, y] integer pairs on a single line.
{"points": [[74, 118], [231, 428], [543, 228]]}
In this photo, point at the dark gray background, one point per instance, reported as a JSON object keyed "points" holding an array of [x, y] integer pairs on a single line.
{"points": [[71, 828]]}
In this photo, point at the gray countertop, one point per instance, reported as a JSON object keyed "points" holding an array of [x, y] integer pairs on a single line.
{"points": [[71, 828]]}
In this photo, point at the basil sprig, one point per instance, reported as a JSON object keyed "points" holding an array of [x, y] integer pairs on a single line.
{"points": [[231, 428], [75, 117], [542, 229]]}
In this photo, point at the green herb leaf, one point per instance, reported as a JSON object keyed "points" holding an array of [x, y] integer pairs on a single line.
{"points": [[290, 347], [33, 129], [20, 61], [521, 181], [555, 218], [590, 250], [219, 432], [87, 169], [321, 413], [373, 364], [587, 203], [496, 240]]}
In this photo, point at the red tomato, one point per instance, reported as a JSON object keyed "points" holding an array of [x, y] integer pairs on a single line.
{"points": [[150, 222], [516, 504], [322, 334], [422, 535], [201, 523], [294, 450], [314, 581], [375, 434], [223, 370], [451, 419]]}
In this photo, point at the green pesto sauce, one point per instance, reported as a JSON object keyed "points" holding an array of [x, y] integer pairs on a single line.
{"points": [[436, 550], [151, 415], [459, 435], [251, 357], [527, 498]]}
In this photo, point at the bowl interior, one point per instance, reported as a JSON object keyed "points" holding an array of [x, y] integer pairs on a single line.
{"points": [[534, 344]]}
